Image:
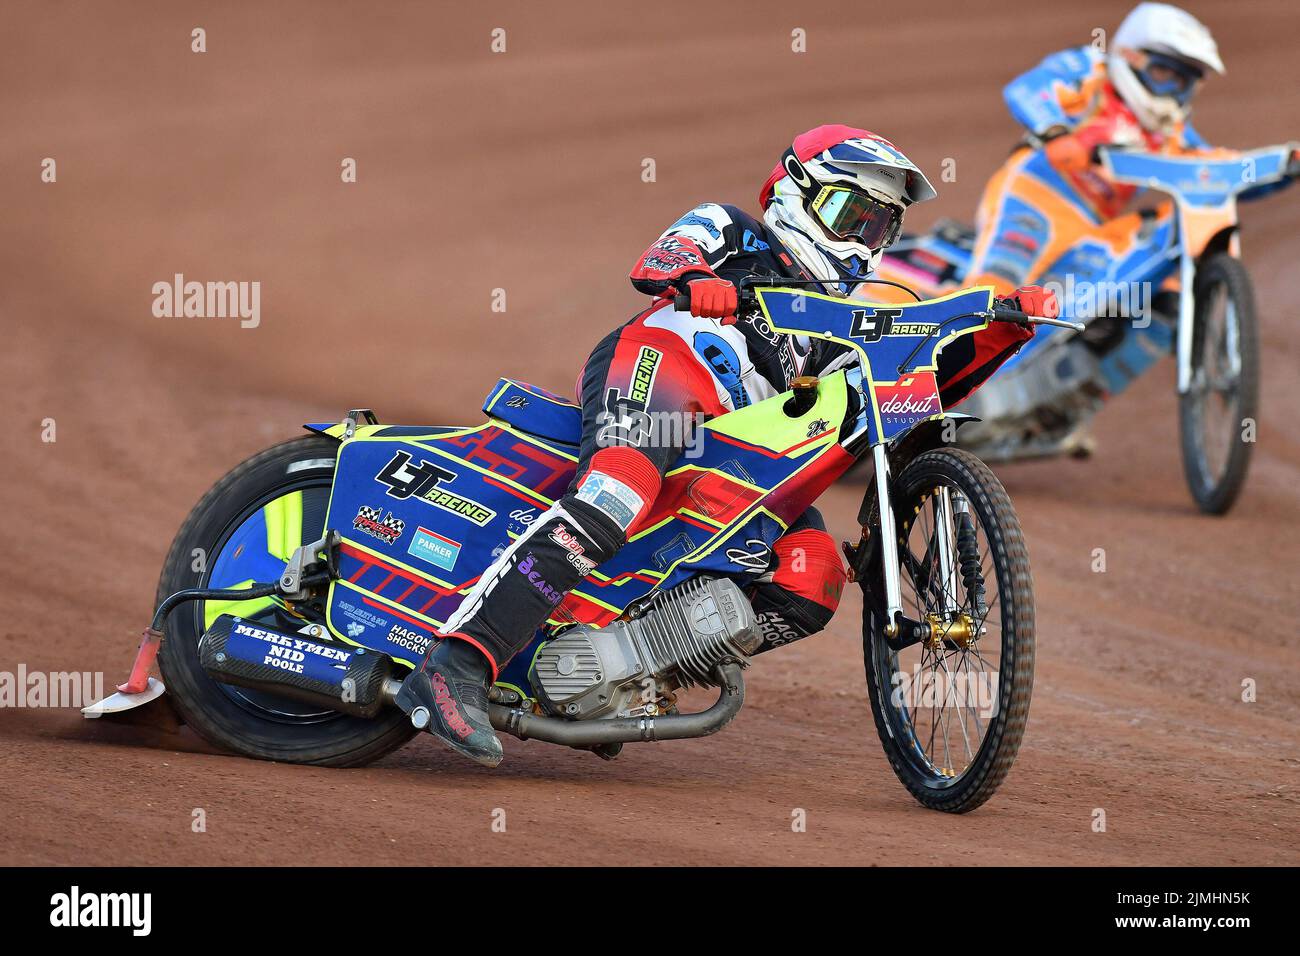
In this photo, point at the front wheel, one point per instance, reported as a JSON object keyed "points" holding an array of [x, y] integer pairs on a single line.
{"points": [[244, 530], [1216, 414], [950, 710]]}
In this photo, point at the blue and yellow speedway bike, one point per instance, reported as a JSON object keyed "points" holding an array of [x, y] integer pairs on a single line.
{"points": [[310, 579], [1164, 279]]}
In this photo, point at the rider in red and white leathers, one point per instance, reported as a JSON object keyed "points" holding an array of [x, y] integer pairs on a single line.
{"points": [[833, 203]]}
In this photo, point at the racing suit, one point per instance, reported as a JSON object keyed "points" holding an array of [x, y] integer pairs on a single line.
{"points": [[665, 362]]}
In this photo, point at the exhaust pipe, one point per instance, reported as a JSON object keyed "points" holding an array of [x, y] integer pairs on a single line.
{"points": [[589, 733], [585, 733], [350, 680]]}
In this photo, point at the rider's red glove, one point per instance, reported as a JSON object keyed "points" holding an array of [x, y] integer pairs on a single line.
{"points": [[712, 298], [1035, 300]]}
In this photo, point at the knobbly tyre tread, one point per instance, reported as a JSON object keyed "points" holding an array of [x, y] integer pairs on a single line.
{"points": [[1015, 589], [1232, 272], [341, 742]]}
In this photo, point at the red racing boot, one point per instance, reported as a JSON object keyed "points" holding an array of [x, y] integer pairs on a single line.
{"points": [[448, 697]]}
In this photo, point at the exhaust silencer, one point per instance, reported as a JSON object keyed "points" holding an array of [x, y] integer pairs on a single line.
{"points": [[346, 679]]}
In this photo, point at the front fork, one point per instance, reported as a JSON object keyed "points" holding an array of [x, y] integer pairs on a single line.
{"points": [[888, 541], [1187, 318], [951, 513], [944, 523], [1186, 321]]}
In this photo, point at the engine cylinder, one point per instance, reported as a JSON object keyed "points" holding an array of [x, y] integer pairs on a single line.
{"points": [[677, 640]]}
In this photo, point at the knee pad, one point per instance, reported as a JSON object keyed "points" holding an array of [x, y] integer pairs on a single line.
{"points": [[809, 566], [784, 617], [804, 590]]}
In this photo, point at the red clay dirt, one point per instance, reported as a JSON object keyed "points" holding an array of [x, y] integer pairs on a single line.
{"points": [[523, 171]]}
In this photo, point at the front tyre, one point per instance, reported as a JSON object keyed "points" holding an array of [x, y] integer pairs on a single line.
{"points": [[243, 530], [951, 709], [1224, 390]]}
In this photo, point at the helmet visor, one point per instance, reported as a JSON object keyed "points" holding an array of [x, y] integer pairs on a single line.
{"points": [[1168, 76], [851, 214]]}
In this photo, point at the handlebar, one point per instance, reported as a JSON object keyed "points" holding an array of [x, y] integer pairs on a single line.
{"points": [[1000, 313], [1004, 313]]}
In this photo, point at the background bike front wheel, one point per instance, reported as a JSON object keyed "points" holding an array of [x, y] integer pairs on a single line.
{"points": [[1224, 392]]}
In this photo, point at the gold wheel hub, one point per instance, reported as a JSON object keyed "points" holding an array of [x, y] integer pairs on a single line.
{"points": [[961, 630]]}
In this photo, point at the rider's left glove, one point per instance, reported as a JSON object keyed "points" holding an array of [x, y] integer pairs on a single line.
{"points": [[712, 298]]}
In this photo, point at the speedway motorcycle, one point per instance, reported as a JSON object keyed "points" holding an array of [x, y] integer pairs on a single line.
{"points": [[310, 579], [1188, 247]]}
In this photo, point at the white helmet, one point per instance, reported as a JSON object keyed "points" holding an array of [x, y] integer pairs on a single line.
{"points": [[836, 200], [1158, 56]]}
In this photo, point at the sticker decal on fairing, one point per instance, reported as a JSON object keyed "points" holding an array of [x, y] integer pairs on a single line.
{"points": [[435, 548], [428, 482], [409, 639], [358, 618], [387, 527]]}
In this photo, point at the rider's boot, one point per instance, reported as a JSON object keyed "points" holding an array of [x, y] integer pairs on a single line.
{"points": [[1080, 443], [447, 696]]}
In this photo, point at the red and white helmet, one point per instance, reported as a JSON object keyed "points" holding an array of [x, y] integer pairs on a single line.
{"points": [[837, 198]]}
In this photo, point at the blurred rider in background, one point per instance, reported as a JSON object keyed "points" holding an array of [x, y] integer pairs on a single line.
{"points": [[1139, 95]]}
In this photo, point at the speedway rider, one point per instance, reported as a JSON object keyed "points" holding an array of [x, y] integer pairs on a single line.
{"points": [[832, 204], [1138, 95]]}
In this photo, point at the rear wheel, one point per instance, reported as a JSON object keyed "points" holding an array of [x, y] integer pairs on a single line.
{"points": [[951, 710], [1215, 413], [243, 530]]}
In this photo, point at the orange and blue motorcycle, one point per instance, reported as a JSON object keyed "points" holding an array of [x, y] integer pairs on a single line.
{"points": [[1165, 279]]}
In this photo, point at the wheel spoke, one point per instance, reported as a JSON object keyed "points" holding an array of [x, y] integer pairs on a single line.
{"points": [[952, 677]]}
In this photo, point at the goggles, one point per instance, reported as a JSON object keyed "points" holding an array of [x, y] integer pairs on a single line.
{"points": [[1167, 76], [851, 214]]}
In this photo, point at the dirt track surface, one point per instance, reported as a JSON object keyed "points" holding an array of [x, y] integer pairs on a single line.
{"points": [[522, 171]]}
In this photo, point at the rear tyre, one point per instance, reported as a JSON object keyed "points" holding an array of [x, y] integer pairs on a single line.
{"points": [[274, 501], [951, 712], [1224, 390]]}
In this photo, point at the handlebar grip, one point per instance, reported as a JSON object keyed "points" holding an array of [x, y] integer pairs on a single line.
{"points": [[1003, 313], [745, 299]]}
